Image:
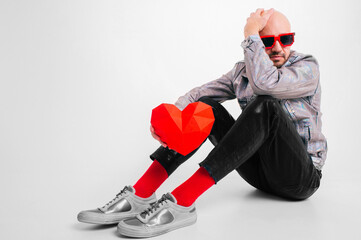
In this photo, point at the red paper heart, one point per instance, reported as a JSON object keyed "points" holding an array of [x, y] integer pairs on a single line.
{"points": [[183, 131]]}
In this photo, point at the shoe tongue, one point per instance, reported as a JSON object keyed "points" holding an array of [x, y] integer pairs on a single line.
{"points": [[167, 196], [170, 197], [130, 189]]}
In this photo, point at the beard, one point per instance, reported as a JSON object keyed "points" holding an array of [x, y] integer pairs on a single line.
{"points": [[278, 62]]}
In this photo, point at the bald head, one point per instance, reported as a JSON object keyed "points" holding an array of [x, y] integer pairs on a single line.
{"points": [[277, 24]]}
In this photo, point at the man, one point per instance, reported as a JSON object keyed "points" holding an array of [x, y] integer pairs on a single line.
{"points": [[276, 143]]}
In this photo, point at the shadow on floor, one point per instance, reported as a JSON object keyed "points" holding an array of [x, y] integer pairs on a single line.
{"points": [[93, 227], [258, 194], [98, 227]]}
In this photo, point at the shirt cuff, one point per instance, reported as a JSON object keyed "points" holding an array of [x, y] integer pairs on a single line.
{"points": [[250, 40]]}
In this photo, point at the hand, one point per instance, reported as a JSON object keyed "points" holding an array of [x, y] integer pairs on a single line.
{"points": [[257, 21], [156, 137]]}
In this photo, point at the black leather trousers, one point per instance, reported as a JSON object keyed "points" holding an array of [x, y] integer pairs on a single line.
{"points": [[262, 145]]}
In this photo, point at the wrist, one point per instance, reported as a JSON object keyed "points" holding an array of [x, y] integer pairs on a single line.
{"points": [[247, 34], [250, 30]]}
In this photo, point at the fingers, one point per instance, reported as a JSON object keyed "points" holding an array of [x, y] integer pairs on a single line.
{"points": [[156, 137], [162, 143], [262, 12], [259, 11], [268, 13]]}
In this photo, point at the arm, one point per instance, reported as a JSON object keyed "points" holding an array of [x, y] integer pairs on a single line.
{"points": [[296, 80], [220, 90]]}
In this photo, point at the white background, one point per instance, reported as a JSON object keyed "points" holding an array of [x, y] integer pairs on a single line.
{"points": [[78, 81]]}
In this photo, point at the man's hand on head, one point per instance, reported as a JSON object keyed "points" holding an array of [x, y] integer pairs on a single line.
{"points": [[257, 21]]}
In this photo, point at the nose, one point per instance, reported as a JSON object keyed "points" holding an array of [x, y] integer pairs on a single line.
{"points": [[277, 47]]}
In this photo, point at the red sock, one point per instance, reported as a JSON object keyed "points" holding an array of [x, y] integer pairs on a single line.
{"points": [[187, 193], [151, 180]]}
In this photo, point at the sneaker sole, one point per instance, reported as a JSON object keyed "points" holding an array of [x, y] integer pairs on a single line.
{"points": [[102, 218], [138, 233]]}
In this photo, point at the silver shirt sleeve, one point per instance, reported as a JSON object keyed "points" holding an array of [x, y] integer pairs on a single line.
{"points": [[295, 80], [219, 90]]}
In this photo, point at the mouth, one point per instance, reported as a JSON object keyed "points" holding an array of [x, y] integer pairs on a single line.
{"points": [[276, 57]]}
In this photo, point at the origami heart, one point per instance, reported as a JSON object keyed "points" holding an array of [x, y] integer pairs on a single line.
{"points": [[183, 131]]}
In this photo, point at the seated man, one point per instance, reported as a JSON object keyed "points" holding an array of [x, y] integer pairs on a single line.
{"points": [[276, 144]]}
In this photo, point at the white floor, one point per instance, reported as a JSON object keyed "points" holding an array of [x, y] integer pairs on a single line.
{"points": [[47, 208]]}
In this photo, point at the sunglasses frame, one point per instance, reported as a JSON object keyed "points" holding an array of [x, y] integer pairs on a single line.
{"points": [[277, 38]]}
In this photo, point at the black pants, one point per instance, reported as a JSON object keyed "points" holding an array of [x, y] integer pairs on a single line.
{"points": [[262, 145]]}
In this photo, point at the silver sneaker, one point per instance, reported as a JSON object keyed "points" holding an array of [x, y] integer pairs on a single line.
{"points": [[163, 216], [125, 205]]}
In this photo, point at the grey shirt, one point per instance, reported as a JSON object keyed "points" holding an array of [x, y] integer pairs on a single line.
{"points": [[296, 84]]}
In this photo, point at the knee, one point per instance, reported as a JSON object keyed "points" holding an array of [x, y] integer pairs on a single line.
{"points": [[264, 99], [209, 101], [262, 102]]}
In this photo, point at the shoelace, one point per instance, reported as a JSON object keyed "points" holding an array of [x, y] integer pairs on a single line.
{"points": [[153, 208], [125, 189]]}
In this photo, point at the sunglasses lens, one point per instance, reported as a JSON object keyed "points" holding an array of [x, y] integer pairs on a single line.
{"points": [[286, 39], [268, 41]]}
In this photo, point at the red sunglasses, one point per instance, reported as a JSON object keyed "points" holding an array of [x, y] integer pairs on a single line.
{"points": [[285, 39]]}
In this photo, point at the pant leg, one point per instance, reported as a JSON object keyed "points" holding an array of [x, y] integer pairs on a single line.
{"points": [[171, 160], [265, 135]]}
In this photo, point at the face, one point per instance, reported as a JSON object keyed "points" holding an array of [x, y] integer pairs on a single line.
{"points": [[277, 24]]}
